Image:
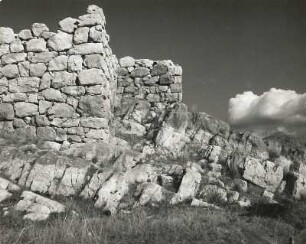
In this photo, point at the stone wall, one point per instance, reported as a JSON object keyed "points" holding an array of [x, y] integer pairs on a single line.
{"points": [[153, 81], [58, 86]]}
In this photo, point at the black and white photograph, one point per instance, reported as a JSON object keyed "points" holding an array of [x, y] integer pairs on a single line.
{"points": [[152, 121]]}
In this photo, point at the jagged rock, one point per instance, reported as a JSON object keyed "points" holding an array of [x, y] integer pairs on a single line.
{"points": [[152, 194], [25, 34], [39, 28], [189, 186], [265, 174], [60, 41], [6, 35], [38, 208], [68, 24]]}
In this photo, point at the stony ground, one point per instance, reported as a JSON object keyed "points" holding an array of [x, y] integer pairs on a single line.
{"points": [[160, 225]]}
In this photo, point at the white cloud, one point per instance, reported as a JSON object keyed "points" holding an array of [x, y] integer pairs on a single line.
{"points": [[275, 107]]}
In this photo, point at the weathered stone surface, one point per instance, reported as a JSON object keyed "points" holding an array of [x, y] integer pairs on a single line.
{"points": [[68, 24], [36, 45], [87, 48], [25, 34], [6, 35], [38, 208], [13, 58], [264, 174], [4, 49], [189, 186], [81, 35], [94, 106], [43, 106], [95, 123], [39, 28], [95, 61], [43, 57], [24, 85], [140, 72], [74, 90], [10, 71], [46, 133], [75, 63], [53, 95], [63, 78], [159, 69], [16, 46], [4, 195], [23, 109], [58, 64], [37, 70], [96, 35], [92, 77], [91, 20], [60, 41], [62, 110], [6, 111]]}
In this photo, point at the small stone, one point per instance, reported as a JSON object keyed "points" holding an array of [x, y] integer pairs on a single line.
{"points": [[68, 24], [75, 63], [95, 61], [24, 68], [95, 35], [6, 35], [25, 34], [46, 133], [98, 134], [19, 123], [41, 120], [159, 69], [4, 49], [74, 90], [166, 79], [60, 41], [44, 106], [81, 35], [45, 81], [36, 45], [95, 123]]}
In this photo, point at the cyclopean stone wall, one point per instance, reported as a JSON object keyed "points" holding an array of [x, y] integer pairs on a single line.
{"points": [[58, 86], [153, 81]]}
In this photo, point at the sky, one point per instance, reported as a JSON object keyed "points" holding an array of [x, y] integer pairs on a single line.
{"points": [[226, 47]]}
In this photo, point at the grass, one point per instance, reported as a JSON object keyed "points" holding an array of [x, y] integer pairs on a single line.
{"points": [[144, 225]]}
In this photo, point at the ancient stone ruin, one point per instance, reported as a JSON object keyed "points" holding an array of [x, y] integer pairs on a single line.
{"points": [[62, 87]]}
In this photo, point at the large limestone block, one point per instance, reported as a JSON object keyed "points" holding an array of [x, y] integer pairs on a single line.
{"points": [[94, 106], [265, 174], [23, 109], [87, 48], [189, 186], [60, 41], [36, 45], [92, 77], [6, 35], [13, 58], [10, 71], [6, 111], [24, 85], [62, 110]]}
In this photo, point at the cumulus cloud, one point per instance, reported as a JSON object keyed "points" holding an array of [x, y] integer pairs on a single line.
{"points": [[275, 107]]}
